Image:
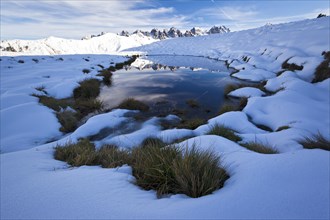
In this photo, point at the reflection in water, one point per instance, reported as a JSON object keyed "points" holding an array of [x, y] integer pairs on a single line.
{"points": [[165, 83]]}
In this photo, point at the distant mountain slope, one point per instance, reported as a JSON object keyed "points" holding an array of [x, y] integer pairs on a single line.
{"points": [[105, 44]]}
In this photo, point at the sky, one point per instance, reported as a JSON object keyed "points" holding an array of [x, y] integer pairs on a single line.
{"points": [[74, 19]]}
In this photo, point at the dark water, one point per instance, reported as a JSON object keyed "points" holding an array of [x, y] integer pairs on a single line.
{"points": [[168, 82]]}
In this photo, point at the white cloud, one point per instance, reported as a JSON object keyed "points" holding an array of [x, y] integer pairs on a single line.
{"points": [[74, 19]]}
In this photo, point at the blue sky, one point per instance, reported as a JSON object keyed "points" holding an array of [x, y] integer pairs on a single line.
{"points": [[26, 19]]}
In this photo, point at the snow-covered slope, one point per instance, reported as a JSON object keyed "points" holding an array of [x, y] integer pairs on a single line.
{"points": [[105, 44]]}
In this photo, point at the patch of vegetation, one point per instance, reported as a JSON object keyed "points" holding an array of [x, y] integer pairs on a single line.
{"points": [[101, 66], [86, 71], [152, 168], [68, 120], [153, 141], [285, 127], [225, 132], [88, 89], [198, 173], [35, 60], [192, 103], [317, 141], [53, 103], [179, 140], [322, 71], [291, 66], [86, 106], [107, 76], [76, 154], [192, 123], [246, 59], [42, 89], [133, 104], [179, 112], [227, 108], [110, 156], [20, 61], [165, 169], [263, 127], [60, 59], [260, 148]]}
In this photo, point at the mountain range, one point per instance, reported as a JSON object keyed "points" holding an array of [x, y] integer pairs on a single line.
{"points": [[171, 33]]}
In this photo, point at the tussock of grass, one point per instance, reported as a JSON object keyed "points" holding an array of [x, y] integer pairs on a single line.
{"points": [[153, 168], [198, 173], [68, 120], [53, 103], [165, 169], [110, 156], [225, 132], [153, 141], [192, 103], [88, 89], [260, 148], [227, 108], [107, 76], [285, 127], [322, 71], [317, 141], [86, 106], [133, 104], [264, 127], [191, 123], [76, 154], [21, 61], [291, 66], [86, 71]]}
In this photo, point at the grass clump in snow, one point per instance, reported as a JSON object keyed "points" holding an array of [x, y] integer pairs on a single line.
{"points": [[153, 141], [224, 131], [322, 71], [153, 168], [76, 154], [107, 76], [192, 123], [198, 173], [291, 66], [284, 127], [68, 120], [169, 170], [316, 141], [133, 104], [260, 148], [86, 71], [238, 106], [53, 103], [87, 89], [86, 106], [110, 156], [192, 103]]}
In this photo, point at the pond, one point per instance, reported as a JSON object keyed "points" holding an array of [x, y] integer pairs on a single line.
{"points": [[183, 85]]}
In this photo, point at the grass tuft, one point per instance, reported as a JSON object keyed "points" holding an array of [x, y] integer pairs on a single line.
{"points": [[153, 142], [198, 173], [110, 156], [88, 89], [86, 71], [107, 76], [260, 148], [133, 104], [225, 132], [68, 120], [285, 127], [291, 66], [322, 71], [227, 108], [316, 141], [152, 168], [76, 154], [192, 123]]}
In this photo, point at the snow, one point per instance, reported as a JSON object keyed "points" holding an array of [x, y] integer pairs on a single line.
{"points": [[293, 184], [246, 92], [106, 44]]}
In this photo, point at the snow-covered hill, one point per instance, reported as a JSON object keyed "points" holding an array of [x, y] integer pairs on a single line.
{"points": [[105, 44]]}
